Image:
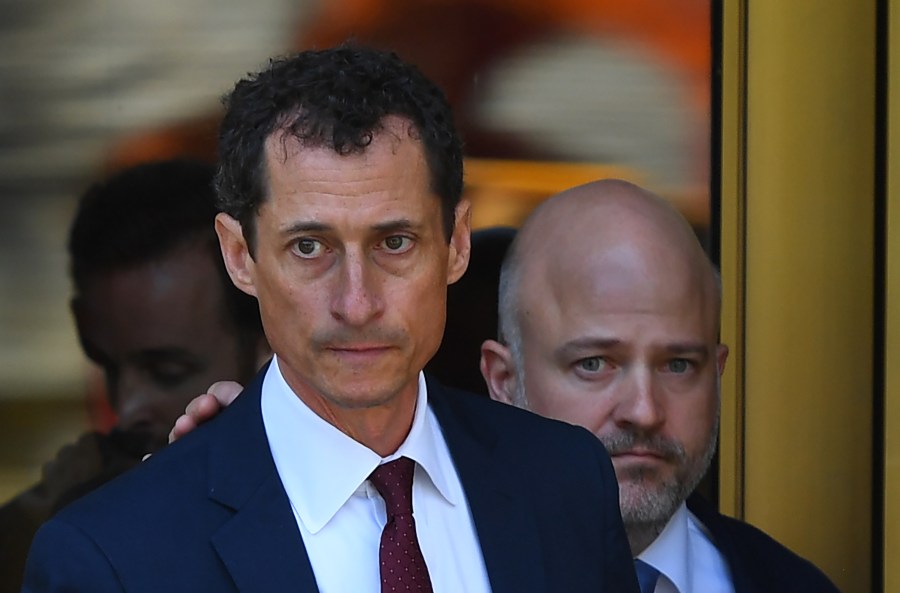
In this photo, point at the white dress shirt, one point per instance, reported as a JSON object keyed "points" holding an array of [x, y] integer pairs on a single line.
{"points": [[341, 515], [686, 558]]}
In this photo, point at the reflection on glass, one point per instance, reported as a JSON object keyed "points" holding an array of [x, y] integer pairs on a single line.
{"points": [[548, 95]]}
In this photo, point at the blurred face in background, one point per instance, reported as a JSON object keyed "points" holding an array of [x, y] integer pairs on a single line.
{"points": [[161, 335]]}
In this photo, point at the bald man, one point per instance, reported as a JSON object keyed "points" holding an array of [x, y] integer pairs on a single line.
{"points": [[609, 319]]}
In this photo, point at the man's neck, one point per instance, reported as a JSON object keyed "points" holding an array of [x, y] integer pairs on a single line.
{"points": [[381, 427]]}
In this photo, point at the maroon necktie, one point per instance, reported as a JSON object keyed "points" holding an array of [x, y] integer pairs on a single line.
{"points": [[402, 565]]}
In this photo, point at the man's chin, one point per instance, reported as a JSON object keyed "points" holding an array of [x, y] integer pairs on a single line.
{"points": [[642, 503], [359, 395]]}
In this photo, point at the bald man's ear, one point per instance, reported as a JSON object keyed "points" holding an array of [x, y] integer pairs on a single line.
{"points": [[235, 252], [721, 358], [460, 242], [498, 370]]}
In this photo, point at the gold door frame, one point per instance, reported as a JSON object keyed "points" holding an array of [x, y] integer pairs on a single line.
{"points": [[798, 208], [891, 498]]}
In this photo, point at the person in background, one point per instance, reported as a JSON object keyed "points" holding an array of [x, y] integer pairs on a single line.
{"points": [[156, 311], [609, 319], [342, 467]]}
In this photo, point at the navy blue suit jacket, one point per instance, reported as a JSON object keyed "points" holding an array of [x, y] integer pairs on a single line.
{"points": [[209, 513], [758, 563]]}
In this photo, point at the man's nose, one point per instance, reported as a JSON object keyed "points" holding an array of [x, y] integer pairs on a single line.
{"points": [[357, 299], [640, 405], [136, 400]]}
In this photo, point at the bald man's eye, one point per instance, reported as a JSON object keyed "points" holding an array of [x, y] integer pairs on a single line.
{"points": [[678, 366], [594, 364]]}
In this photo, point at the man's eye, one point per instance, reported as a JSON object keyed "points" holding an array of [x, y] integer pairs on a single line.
{"points": [[397, 243], [307, 247], [593, 364], [678, 365], [168, 375]]}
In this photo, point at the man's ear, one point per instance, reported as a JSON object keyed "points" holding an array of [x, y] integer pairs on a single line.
{"points": [[498, 370], [460, 242], [236, 252], [721, 358]]}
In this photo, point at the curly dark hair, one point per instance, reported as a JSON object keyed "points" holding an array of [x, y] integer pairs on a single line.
{"points": [[142, 214], [335, 98]]}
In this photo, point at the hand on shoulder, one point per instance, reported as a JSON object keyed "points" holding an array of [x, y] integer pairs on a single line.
{"points": [[204, 407]]}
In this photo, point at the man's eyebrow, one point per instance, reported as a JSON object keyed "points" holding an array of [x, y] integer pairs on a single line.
{"points": [[687, 348], [305, 226], [400, 224], [580, 345]]}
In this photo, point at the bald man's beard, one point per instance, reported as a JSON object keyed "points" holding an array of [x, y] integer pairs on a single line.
{"points": [[647, 503]]}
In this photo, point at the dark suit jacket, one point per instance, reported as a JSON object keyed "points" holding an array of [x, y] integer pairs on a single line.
{"points": [[758, 563], [209, 513]]}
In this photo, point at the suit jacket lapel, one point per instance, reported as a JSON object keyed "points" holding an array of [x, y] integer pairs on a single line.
{"points": [[505, 525], [707, 515], [261, 546]]}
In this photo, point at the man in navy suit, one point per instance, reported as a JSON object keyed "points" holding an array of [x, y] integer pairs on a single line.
{"points": [[340, 181], [609, 319]]}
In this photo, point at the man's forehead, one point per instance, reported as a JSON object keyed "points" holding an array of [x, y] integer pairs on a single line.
{"points": [[619, 305], [183, 284], [613, 279], [612, 239], [385, 189]]}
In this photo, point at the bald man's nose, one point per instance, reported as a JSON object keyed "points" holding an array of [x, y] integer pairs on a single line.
{"points": [[639, 404]]}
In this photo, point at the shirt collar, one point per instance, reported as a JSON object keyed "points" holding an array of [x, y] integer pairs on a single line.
{"points": [[669, 552], [308, 451]]}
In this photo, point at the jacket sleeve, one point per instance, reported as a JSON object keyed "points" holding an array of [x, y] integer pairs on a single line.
{"points": [[63, 559], [618, 560]]}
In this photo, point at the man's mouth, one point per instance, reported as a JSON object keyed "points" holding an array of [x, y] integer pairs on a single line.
{"points": [[358, 351], [639, 454]]}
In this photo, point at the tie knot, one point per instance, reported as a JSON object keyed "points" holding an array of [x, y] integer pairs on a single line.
{"points": [[647, 576], [393, 480]]}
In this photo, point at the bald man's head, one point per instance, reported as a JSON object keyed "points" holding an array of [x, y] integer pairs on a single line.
{"points": [[610, 317], [604, 225]]}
